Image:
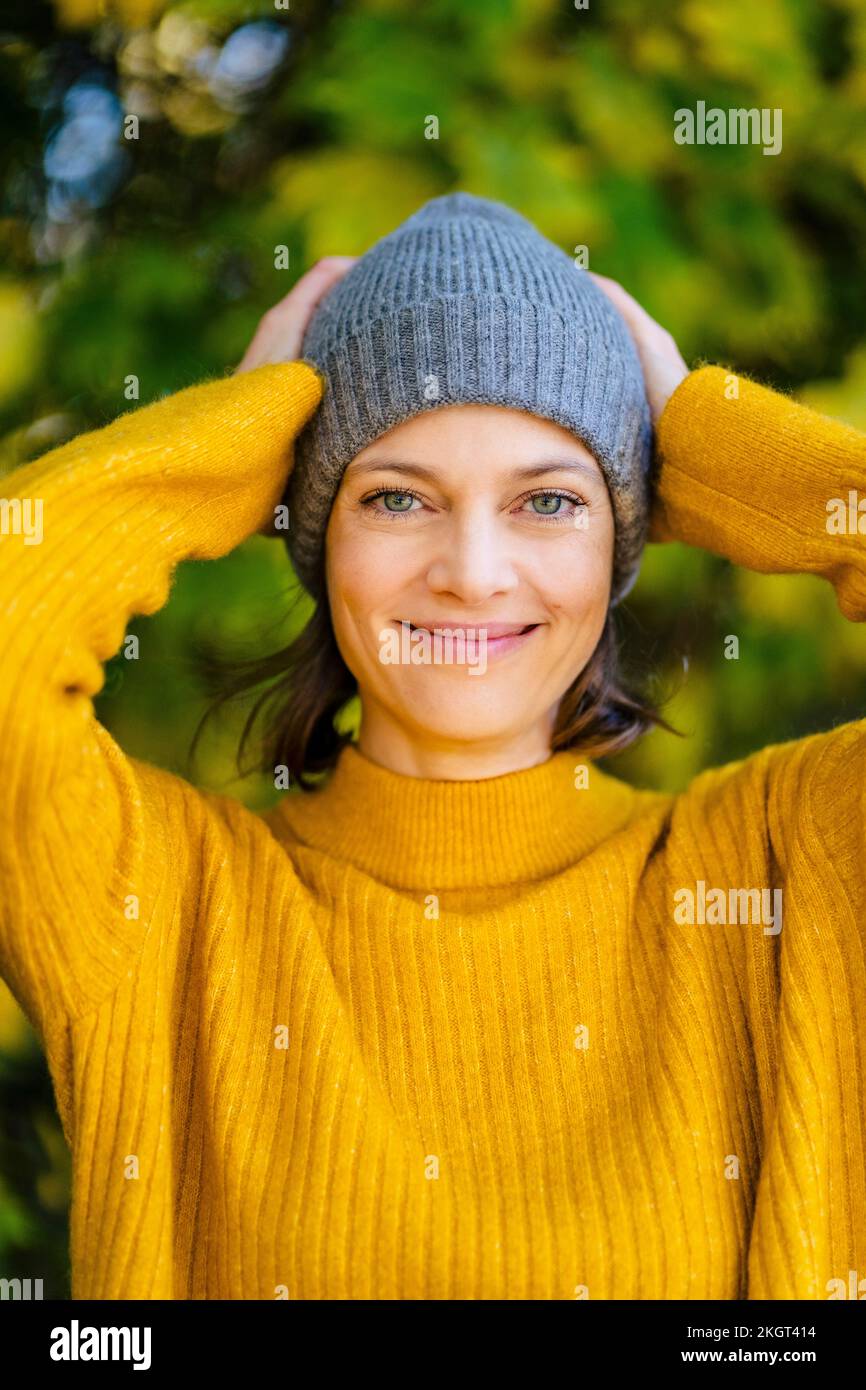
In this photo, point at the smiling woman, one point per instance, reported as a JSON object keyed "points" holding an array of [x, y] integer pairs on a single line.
{"points": [[493, 469], [470, 549], [439, 1026]]}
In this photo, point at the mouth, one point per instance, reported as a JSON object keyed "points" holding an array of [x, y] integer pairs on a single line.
{"points": [[490, 632], [493, 639]]}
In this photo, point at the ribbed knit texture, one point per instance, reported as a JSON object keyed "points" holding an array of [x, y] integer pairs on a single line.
{"points": [[467, 303], [508, 1072]]}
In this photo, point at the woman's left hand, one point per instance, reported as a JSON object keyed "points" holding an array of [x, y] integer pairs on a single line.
{"points": [[663, 366], [280, 333]]}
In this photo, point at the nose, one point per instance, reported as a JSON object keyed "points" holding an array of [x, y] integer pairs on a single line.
{"points": [[474, 558]]}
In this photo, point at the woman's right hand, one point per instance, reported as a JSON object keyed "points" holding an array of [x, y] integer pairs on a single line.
{"points": [[661, 361], [280, 333]]}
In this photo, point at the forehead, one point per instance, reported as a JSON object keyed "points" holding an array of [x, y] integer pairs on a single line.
{"points": [[477, 433]]}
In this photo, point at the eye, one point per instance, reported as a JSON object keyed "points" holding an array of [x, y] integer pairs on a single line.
{"points": [[403, 497], [553, 506]]}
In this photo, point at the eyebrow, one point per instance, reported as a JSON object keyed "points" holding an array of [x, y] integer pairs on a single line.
{"points": [[532, 470]]}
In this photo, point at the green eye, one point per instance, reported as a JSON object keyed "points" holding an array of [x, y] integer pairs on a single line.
{"points": [[551, 501], [406, 496]]}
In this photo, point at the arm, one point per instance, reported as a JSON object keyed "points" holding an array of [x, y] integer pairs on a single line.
{"points": [[189, 477], [747, 473], [751, 475]]}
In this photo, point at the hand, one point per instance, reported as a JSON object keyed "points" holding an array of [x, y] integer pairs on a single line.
{"points": [[663, 367], [280, 333]]}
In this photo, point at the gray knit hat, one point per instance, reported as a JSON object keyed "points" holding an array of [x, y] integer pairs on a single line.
{"points": [[467, 302]]}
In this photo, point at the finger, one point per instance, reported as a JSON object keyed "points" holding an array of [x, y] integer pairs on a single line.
{"points": [[258, 351], [303, 297], [634, 314], [647, 332], [281, 330]]}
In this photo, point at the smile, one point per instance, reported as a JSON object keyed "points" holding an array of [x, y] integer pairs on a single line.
{"points": [[496, 639], [490, 632]]}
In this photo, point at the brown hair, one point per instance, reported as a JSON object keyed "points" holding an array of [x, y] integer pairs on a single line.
{"points": [[307, 685]]}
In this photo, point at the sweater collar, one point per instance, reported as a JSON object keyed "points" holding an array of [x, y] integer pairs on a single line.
{"points": [[416, 833]]}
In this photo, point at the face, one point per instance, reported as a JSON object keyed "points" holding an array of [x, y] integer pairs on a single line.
{"points": [[492, 523]]}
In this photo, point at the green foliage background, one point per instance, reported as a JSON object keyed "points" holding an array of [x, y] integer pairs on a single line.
{"points": [[164, 269]]}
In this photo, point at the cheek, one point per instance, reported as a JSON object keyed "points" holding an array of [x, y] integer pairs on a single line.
{"points": [[362, 580], [575, 581]]}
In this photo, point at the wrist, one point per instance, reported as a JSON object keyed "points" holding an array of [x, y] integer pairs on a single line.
{"points": [[662, 378]]}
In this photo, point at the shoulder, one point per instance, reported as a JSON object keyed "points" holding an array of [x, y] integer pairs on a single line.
{"points": [[201, 828], [813, 784]]}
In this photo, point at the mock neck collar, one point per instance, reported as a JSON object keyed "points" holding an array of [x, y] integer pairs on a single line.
{"points": [[414, 833]]}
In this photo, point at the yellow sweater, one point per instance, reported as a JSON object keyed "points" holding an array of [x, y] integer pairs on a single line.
{"points": [[432, 1040]]}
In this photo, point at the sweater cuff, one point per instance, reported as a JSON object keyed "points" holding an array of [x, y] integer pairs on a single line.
{"points": [[752, 475], [694, 440]]}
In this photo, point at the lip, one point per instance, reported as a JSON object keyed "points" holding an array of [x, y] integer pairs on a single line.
{"points": [[501, 638], [493, 631]]}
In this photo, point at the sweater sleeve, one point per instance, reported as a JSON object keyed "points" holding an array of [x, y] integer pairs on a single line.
{"points": [[83, 854], [753, 476]]}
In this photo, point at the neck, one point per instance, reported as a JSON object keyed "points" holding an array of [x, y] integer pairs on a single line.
{"points": [[416, 753]]}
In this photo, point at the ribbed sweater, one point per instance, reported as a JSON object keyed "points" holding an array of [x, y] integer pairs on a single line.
{"points": [[411, 1039]]}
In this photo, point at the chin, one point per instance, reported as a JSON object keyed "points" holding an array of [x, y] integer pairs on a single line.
{"points": [[462, 717]]}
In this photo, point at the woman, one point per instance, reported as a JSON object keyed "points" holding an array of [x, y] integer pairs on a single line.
{"points": [[472, 1018]]}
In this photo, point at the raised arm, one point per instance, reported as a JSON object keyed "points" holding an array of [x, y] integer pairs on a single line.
{"points": [[82, 852], [749, 474]]}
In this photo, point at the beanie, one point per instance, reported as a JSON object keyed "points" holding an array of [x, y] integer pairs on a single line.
{"points": [[466, 302]]}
